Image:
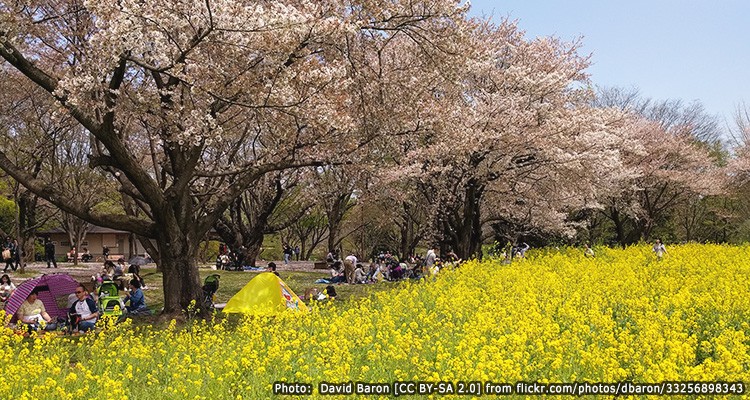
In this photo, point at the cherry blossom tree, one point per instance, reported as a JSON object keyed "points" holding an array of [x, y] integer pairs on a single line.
{"points": [[517, 136], [674, 162], [170, 92]]}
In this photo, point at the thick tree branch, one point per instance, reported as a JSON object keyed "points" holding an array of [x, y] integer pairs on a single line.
{"points": [[72, 206]]}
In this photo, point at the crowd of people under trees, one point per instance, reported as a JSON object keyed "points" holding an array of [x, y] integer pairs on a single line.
{"points": [[385, 267]]}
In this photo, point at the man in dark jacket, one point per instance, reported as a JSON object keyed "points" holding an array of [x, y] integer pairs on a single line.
{"points": [[49, 252]]}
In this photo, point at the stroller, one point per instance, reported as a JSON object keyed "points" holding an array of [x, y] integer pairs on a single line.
{"points": [[210, 287], [109, 299]]}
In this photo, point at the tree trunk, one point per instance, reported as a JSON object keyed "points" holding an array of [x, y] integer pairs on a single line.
{"points": [[181, 282], [470, 234], [404, 241], [303, 256], [646, 228], [336, 213], [253, 246], [132, 249], [334, 227], [25, 218], [619, 227]]}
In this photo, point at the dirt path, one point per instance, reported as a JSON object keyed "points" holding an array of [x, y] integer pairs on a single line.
{"points": [[84, 271]]}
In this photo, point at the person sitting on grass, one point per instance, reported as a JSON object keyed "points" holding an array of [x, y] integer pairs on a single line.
{"points": [[313, 294], [83, 311], [119, 269], [337, 275], [359, 274], [330, 291], [33, 313], [6, 288], [137, 299], [108, 270]]}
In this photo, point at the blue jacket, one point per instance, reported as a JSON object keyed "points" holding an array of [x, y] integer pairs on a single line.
{"points": [[137, 300]]}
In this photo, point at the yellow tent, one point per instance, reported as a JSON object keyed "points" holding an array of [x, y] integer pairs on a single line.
{"points": [[265, 294]]}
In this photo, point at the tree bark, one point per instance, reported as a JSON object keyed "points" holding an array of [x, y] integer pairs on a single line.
{"points": [[181, 282], [253, 245], [409, 236], [463, 232], [26, 219], [619, 227], [336, 211]]}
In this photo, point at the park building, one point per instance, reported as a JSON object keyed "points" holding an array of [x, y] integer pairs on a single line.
{"points": [[120, 243]]}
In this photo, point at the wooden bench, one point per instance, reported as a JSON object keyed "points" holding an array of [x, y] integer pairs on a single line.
{"points": [[115, 257], [320, 265], [78, 257]]}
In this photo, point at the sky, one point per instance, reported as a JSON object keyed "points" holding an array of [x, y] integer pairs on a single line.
{"points": [[668, 49]]}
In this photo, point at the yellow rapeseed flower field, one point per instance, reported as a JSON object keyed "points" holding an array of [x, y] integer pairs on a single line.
{"points": [[553, 317]]}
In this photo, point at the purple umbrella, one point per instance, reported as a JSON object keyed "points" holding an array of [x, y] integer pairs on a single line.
{"points": [[50, 288]]}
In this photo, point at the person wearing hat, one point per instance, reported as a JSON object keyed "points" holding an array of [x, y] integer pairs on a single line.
{"points": [[33, 313]]}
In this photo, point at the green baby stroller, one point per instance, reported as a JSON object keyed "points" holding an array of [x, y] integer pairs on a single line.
{"points": [[110, 302]]}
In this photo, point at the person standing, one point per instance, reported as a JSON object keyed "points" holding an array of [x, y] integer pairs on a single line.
{"points": [[522, 249], [9, 254], [17, 256], [49, 252], [135, 271], [349, 262], [287, 253], [105, 253], [659, 249], [429, 260], [296, 252]]}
